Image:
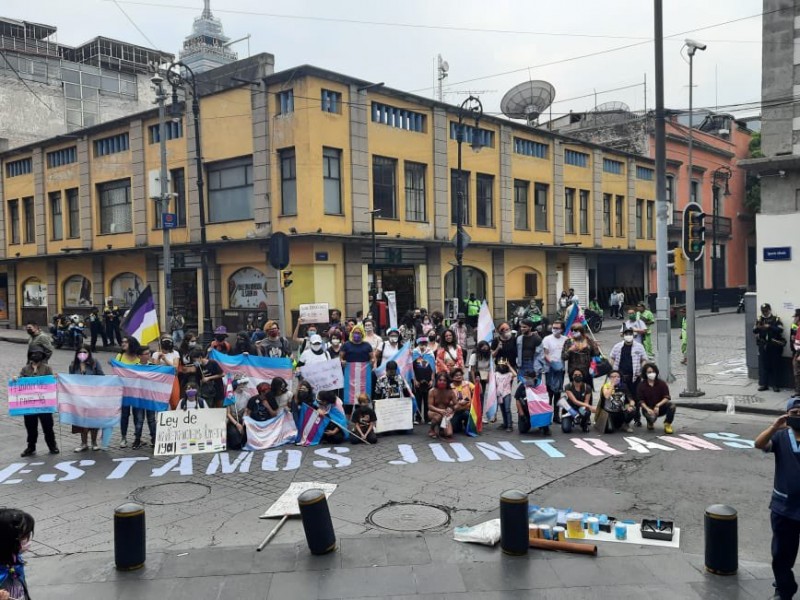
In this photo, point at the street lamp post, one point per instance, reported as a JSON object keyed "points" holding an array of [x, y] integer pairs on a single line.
{"points": [[470, 107], [373, 213], [179, 79], [164, 195], [723, 173]]}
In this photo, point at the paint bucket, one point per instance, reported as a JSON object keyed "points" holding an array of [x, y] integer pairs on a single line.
{"points": [[545, 532], [534, 531], [621, 531], [558, 533], [593, 525], [575, 525]]}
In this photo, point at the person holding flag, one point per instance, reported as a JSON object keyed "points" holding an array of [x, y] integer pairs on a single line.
{"points": [[424, 367]]}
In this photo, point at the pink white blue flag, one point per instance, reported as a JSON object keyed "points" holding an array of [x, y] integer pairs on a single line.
{"points": [[485, 324], [255, 368], [145, 386], [357, 380], [490, 394], [262, 435], [90, 401]]}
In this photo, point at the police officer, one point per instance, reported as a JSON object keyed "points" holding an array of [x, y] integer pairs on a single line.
{"points": [[111, 317], [96, 329], [769, 337], [473, 306]]}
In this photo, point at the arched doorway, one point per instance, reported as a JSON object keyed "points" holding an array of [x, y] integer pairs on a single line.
{"points": [[474, 282], [34, 301], [76, 293], [125, 289]]}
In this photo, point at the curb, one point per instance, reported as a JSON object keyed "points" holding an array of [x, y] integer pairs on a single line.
{"points": [[717, 314], [13, 340], [722, 407]]}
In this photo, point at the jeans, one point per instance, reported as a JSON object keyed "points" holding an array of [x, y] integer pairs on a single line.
{"points": [[666, 410], [32, 427], [460, 420], [139, 415], [785, 538], [177, 336], [123, 421], [505, 407]]}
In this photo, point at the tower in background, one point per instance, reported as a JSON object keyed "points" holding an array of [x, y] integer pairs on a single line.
{"points": [[204, 49]]}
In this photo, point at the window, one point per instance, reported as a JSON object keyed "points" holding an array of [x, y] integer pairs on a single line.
{"points": [[639, 218], [575, 158], [19, 167], [56, 218], [651, 205], [521, 204], [73, 213], [614, 167], [569, 210], [619, 217], [541, 191], [174, 131], [719, 267], [76, 292], [670, 187], [115, 206], [384, 186], [644, 173], [397, 117], [126, 289], [13, 220], [285, 102], [474, 282], [415, 191], [111, 145], [531, 285], [485, 137], [331, 101], [30, 220], [695, 195], [332, 180], [62, 157], [584, 211], [230, 190], [454, 189], [485, 199], [288, 162], [607, 214], [178, 202], [530, 148]]}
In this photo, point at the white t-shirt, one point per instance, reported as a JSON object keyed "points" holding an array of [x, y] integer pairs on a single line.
{"points": [[309, 357], [637, 324], [172, 357], [553, 346]]}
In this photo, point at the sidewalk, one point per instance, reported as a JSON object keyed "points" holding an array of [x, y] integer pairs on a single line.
{"points": [[396, 567]]}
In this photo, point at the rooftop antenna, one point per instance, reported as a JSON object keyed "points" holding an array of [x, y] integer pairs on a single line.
{"points": [[528, 100], [442, 70]]}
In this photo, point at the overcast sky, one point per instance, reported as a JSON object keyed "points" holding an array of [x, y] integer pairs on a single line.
{"points": [[397, 43]]}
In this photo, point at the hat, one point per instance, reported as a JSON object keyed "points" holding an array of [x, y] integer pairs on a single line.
{"points": [[221, 330], [793, 402], [422, 340], [766, 306], [315, 339]]}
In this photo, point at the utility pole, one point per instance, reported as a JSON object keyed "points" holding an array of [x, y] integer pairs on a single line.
{"points": [[164, 197]]}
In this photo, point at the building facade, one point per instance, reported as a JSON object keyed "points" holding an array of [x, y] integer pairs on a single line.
{"points": [[310, 153]]}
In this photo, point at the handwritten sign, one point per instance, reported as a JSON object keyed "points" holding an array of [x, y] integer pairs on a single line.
{"points": [[314, 313], [323, 376], [394, 414], [32, 395], [287, 503], [194, 431]]}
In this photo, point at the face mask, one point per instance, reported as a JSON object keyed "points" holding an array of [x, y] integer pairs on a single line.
{"points": [[303, 395], [166, 346], [556, 332], [369, 328], [793, 422], [442, 385], [336, 342], [431, 340], [423, 347], [220, 338], [506, 335], [356, 337], [191, 393], [30, 332], [192, 344], [316, 347], [37, 358], [628, 338], [83, 356], [273, 333], [578, 379], [503, 369], [26, 545], [393, 338], [577, 335], [651, 376], [631, 317]]}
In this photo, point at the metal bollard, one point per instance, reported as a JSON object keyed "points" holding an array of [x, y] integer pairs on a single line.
{"points": [[514, 522], [722, 540], [317, 521], [129, 537]]}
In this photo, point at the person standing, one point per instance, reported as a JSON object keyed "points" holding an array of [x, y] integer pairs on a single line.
{"points": [[621, 304], [613, 304], [578, 352], [504, 346], [473, 306], [769, 338], [274, 345], [449, 355], [781, 438], [423, 371], [796, 351], [635, 324], [628, 357], [37, 367], [129, 356], [553, 345], [39, 338], [111, 317], [530, 355], [645, 315], [96, 329], [176, 326], [459, 328], [315, 353], [85, 364]]}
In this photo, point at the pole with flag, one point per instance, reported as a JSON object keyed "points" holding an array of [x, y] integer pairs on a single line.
{"points": [[141, 321], [485, 324]]}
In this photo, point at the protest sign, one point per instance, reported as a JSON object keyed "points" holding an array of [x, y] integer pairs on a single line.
{"points": [[193, 431], [323, 376], [287, 503], [394, 414], [32, 395], [314, 313]]}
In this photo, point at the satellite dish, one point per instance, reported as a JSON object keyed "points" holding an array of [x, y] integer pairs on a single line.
{"points": [[528, 100], [612, 112]]}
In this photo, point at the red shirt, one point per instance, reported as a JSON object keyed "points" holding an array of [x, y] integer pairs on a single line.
{"points": [[652, 395]]}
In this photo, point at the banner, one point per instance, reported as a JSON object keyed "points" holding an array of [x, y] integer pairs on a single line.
{"points": [[92, 401], [145, 386], [193, 431], [263, 435], [323, 376], [314, 313], [394, 414], [255, 368], [357, 380], [391, 299], [32, 395]]}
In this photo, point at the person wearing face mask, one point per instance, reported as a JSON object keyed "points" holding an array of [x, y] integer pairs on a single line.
{"points": [[504, 346], [628, 357], [553, 345], [424, 367], [578, 352], [236, 436], [770, 341], [504, 377], [85, 364], [372, 338], [391, 346], [16, 533], [274, 345], [192, 399], [315, 353], [357, 350], [530, 355], [635, 324], [426, 325], [781, 439], [39, 338], [579, 399], [262, 407], [220, 342], [167, 356], [433, 344], [654, 400], [461, 331], [311, 329], [524, 395], [37, 367], [303, 395], [243, 345]]}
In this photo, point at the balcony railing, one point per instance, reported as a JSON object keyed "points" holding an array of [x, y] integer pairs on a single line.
{"points": [[725, 228]]}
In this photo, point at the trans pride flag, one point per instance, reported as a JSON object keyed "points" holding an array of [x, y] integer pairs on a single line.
{"points": [[574, 315], [145, 386], [485, 324], [277, 431], [490, 395], [475, 421], [357, 380], [90, 401], [539, 409], [255, 368]]}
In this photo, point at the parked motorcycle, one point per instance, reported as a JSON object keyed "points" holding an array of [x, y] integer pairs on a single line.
{"points": [[58, 330], [69, 331], [76, 332], [594, 320], [740, 306]]}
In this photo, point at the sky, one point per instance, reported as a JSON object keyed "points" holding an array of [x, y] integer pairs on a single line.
{"points": [[490, 45]]}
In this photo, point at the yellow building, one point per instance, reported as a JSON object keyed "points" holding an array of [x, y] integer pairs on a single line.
{"points": [[311, 153]]}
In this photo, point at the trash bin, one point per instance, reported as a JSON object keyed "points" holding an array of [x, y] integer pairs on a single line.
{"points": [[129, 537], [722, 540], [317, 522], [514, 522]]}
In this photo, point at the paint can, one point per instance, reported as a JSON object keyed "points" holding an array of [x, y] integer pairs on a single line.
{"points": [[621, 531], [575, 525], [534, 531], [545, 532], [593, 525], [558, 533]]}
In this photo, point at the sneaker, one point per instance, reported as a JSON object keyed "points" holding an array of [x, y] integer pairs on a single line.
{"points": [[638, 423], [667, 428], [650, 426], [96, 448], [82, 448], [485, 420], [763, 388], [28, 452], [510, 429], [546, 431], [55, 450], [627, 429], [123, 443], [136, 444]]}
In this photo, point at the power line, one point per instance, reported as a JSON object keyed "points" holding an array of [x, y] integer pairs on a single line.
{"points": [[132, 22], [25, 83]]}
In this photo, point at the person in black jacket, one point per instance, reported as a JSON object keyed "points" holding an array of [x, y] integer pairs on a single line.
{"points": [[769, 338]]}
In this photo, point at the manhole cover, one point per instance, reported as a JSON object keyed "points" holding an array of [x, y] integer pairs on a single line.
{"points": [[408, 516], [171, 493]]}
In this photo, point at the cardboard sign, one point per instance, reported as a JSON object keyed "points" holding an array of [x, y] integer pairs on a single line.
{"points": [[287, 503], [323, 376], [314, 313], [193, 431], [32, 396], [394, 414]]}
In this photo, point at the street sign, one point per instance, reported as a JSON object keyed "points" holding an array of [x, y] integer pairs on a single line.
{"points": [[279, 250], [778, 253], [465, 239], [169, 220]]}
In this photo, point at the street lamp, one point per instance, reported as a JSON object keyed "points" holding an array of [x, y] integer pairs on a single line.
{"points": [[163, 197], [471, 107], [180, 75], [373, 213], [723, 173]]}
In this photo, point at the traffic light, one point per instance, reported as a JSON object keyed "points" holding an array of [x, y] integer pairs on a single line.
{"points": [[694, 231], [678, 261], [285, 281]]}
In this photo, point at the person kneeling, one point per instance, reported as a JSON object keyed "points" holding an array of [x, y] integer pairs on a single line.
{"points": [[191, 400], [615, 402], [654, 398], [326, 404], [364, 420], [527, 396]]}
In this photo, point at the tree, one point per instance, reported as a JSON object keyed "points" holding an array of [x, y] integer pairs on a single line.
{"points": [[752, 201]]}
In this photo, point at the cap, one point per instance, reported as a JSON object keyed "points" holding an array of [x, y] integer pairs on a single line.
{"points": [[315, 339], [766, 306], [422, 340], [793, 402], [221, 330]]}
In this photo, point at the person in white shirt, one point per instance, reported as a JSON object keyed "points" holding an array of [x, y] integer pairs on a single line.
{"points": [[191, 399], [553, 346], [637, 325], [390, 346], [315, 353], [613, 303], [372, 338], [167, 356], [621, 303]]}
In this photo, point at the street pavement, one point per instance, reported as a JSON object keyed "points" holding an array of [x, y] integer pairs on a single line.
{"points": [[203, 526]]}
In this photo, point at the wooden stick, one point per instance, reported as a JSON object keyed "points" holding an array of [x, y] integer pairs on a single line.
{"points": [[573, 547], [272, 533]]}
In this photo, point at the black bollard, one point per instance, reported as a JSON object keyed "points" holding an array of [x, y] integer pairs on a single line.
{"points": [[129, 537], [317, 521], [514, 522], [722, 540]]}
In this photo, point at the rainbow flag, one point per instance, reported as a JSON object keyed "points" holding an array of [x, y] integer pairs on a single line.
{"points": [[255, 368], [475, 422], [490, 395], [277, 431], [357, 380], [141, 321], [145, 386], [574, 315]]}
